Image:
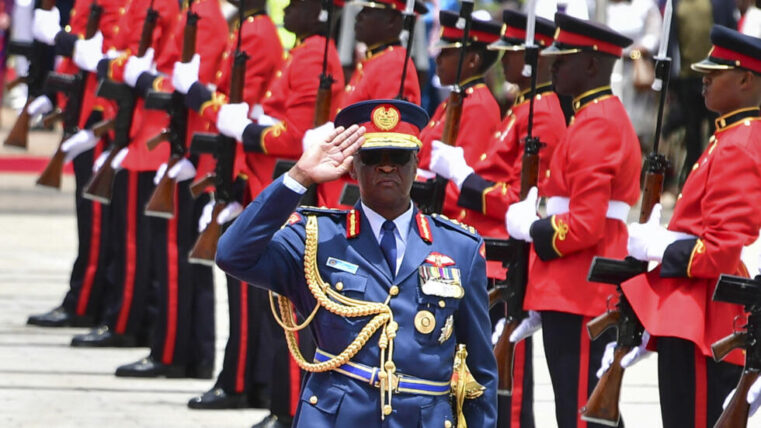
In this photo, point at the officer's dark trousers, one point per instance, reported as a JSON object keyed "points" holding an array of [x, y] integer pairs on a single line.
{"points": [[184, 330], [692, 386], [131, 301], [246, 307], [88, 275], [573, 360]]}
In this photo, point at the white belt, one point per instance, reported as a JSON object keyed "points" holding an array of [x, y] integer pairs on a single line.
{"points": [[617, 210]]}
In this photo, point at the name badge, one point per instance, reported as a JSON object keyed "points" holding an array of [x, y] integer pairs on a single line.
{"points": [[342, 265], [441, 282]]}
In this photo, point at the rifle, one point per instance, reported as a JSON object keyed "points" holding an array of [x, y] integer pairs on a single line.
{"points": [[223, 148], [161, 203], [409, 27], [602, 406], [40, 61], [100, 186], [513, 290], [324, 93], [746, 292], [430, 194], [74, 88]]}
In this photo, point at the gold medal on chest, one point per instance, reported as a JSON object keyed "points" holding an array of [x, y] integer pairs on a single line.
{"points": [[425, 322]]}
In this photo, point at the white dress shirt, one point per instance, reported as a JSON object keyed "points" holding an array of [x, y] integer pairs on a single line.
{"points": [[401, 233]]}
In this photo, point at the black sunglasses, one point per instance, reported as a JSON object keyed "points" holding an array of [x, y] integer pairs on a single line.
{"points": [[393, 157]]}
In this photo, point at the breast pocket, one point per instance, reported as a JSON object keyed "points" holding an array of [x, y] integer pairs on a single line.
{"points": [[434, 320], [352, 286]]}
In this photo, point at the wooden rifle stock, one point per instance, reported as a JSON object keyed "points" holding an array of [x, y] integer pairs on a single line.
{"points": [[495, 295], [322, 106], [736, 340], [198, 186], [19, 135], [51, 118], [598, 325], [100, 187], [51, 175], [161, 203], [736, 414], [205, 248], [146, 36], [602, 406], [101, 128], [153, 142], [504, 352]]}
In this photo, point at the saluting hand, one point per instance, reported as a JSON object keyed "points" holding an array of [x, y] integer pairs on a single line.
{"points": [[330, 158]]}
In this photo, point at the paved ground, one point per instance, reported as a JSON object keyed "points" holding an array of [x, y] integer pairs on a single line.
{"points": [[44, 382]]}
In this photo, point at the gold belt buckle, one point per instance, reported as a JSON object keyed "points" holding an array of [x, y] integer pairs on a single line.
{"points": [[383, 383]]}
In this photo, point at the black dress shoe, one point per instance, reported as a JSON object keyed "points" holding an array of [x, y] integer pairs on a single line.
{"points": [[59, 317], [148, 367], [273, 421], [217, 398], [102, 337]]}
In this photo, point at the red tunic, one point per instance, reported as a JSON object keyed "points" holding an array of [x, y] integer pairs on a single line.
{"points": [[378, 76], [597, 161], [718, 205]]}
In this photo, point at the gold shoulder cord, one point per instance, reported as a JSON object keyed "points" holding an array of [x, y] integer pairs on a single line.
{"points": [[340, 305]]}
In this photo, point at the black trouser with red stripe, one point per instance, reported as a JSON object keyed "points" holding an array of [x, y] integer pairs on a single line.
{"points": [[88, 275], [184, 331], [692, 386], [246, 347], [131, 301], [573, 360]]}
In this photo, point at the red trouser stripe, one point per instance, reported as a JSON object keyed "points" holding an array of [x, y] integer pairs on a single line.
{"points": [[295, 376], [240, 371], [171, 286], [92, 259], [130, 253], [516, 400], [583, 392], [701, 395]]}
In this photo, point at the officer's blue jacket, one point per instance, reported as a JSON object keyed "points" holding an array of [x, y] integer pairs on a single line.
{"points": [[260, 250]]}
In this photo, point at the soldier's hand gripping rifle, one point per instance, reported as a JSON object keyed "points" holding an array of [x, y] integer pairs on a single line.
{"points": [[602, 406], [746, 292], [73, 86], [100, 186], [430, 194], [223, 148], [161, 203], [515, 255], [40, 61]]}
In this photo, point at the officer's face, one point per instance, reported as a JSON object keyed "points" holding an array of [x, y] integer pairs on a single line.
{"points": [[512, 66], [720, 89], [569, 73], [385, 178]]}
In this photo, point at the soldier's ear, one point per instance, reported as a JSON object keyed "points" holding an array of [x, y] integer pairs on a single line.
{"points": [[352, 171]]}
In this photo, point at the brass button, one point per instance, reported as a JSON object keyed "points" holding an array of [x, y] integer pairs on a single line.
{"points": [[483, 155], [122, 11], [425, 322], [447, 424], [339, 285], [279, 73], [442, 304], [250, 19], [313, 399], [267, 94], [394, 290], [219, 74]]}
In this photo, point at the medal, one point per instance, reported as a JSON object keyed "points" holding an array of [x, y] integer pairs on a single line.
{"points": [[446, 331], [425, 322]]}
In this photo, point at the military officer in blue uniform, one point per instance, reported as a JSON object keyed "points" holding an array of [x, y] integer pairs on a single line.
{"points": [[396, 299]]}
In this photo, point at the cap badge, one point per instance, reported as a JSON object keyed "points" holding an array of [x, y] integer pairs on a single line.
{"points": [[385, 117]]}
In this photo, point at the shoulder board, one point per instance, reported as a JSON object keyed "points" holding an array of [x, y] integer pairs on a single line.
{"points": [[456, 225], [322, 211]]}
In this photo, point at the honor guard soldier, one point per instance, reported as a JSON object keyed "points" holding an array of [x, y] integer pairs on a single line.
{"points": [[83, 303], [593, 181], [387, 291], [715, 216], [235, 386], [480, 194], [377, 76]]}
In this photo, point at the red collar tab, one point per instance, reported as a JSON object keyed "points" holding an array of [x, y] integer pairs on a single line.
{"points": [[352, 224], [424, 227]]}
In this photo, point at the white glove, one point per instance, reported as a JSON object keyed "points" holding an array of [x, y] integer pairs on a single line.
{"points": [[528, 326], [229, 212], [265, 120], [117, 162], [100, 161], [88, 52], [449, 162], [185, 74], [627, 360], [498, 327], [648, 241], [205, 218], [256, 112], [40, 105], [753, 397], [521, 215], [317, 135], [232, 120], [137, 65], [78, 143], [180, 171], [46, 25]]}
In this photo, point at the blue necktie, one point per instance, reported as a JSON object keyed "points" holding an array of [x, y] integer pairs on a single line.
{"points": [[388, 244]]}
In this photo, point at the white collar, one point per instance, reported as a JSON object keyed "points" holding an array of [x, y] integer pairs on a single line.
{"points": [[376, 222]]}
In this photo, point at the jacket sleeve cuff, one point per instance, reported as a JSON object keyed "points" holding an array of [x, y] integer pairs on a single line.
{"points": [[678, 258], [102, 68], [64, 43], [472, 191], [252, 138], [197, 95], [145, 83], [545, 233]]}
